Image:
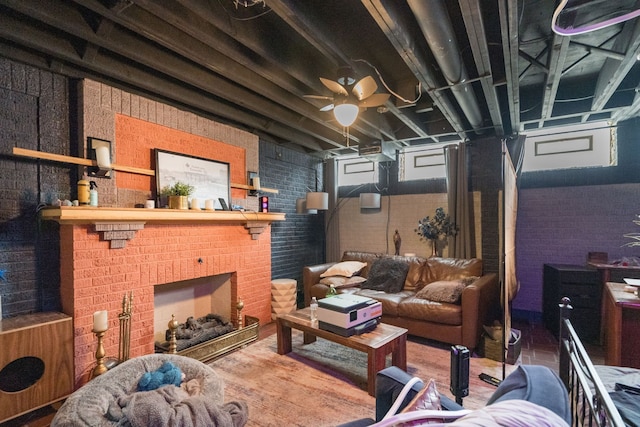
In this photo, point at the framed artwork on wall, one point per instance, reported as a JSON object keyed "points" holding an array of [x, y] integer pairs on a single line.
{"points": [[210, 178]]}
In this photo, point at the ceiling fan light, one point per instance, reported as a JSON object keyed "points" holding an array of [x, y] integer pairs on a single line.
{"points": [[346, 114]]}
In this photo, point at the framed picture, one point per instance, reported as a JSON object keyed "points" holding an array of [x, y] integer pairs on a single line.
{"points": [[210, 178]]}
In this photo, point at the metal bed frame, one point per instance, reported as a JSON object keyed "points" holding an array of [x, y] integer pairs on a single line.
{"points": [[590, 401]]}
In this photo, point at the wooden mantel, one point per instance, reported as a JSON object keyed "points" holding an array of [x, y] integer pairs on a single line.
{"points": [[120, 224], [92, 215]]}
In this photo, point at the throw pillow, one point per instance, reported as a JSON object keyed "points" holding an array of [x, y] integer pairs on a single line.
{"points": [[345, 268], [354, 281], [334, 280], [343, 282], [448, 291], [427, 398], [387, 274]]}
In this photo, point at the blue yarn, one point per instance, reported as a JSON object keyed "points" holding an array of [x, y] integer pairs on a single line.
{"points": [[166, 374]]}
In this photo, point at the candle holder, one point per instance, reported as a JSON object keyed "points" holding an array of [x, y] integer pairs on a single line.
{"points": [[100, 368]]}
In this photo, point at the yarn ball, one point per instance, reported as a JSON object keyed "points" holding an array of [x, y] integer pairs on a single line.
{"points": [[166, 374]]}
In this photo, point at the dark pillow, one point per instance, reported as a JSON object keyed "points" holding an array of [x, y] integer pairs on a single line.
{"points": [[387, 274]]}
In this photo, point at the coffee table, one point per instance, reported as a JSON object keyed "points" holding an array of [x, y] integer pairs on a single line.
{"points": [[383, 340]]}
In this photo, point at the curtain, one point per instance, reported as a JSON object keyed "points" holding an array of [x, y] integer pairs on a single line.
{"points": [[332, 220], [511, 169], [455, 157], [510, 214]]}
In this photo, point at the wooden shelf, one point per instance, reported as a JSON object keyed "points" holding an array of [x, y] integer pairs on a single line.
{"points": [[94, 215]]}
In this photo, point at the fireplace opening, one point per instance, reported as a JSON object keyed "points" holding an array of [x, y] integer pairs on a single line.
{"points": [[202, 309], [192, 299]]}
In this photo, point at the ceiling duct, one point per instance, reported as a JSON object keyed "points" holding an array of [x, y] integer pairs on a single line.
{"points": [[377, 151], [437, 28]]}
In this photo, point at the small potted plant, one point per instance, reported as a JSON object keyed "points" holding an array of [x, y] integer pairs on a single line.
{"points": [[436, 228], [178, 194]]}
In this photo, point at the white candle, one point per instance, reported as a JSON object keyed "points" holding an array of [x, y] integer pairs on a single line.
{"points": [[208, 204], [100, 321]]}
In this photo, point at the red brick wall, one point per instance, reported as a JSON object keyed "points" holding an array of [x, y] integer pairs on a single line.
{"points": [[94, 277], [136, 140]]}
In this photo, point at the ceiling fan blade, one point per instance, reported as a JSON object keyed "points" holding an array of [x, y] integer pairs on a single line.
{"points": [[327, 107], [334, 86], [318, 97], [374, 100], [364, 88]]}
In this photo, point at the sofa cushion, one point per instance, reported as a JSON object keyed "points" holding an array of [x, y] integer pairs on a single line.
{"points": [[389, 302], [414, 275], [345, 268], [436, 268], [438, 312], [387, 274]]}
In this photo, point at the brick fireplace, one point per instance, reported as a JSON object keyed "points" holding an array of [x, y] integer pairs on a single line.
{"points": [[162, 249]]}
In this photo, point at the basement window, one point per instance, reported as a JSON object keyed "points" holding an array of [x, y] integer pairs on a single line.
{"points": [[422, 162], [585, 146], [356, 171]]}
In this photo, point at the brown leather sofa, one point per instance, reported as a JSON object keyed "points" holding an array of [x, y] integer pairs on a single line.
{"points": [[452, 323]]}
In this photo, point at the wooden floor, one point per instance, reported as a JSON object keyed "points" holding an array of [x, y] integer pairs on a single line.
{"points": [[539, 347]]}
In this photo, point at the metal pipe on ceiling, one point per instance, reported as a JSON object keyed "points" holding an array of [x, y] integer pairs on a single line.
{"points": [[437, 28]]}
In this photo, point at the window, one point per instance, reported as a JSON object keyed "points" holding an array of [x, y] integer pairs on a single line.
{"points": [[356, 171], [422, 162], [583, 146]]}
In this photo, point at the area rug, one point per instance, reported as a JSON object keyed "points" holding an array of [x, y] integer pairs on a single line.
{"points": [[324, 384]]}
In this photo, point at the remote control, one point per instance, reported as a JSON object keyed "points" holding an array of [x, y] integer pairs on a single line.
{"points": [[489, 379]]}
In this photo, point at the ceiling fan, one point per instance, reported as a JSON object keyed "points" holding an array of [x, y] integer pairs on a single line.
{"points": [[350, 95]]}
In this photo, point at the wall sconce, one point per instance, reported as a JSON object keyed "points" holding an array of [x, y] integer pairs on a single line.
{"points": [[254, 181], [101, 153], [301, 207], [369, 201], [318, 200]]}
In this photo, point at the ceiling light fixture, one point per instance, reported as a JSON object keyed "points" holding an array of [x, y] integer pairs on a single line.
{"points": [[346, 113]]}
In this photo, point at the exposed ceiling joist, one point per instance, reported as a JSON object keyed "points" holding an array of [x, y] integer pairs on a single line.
{"points": [[252, 66]]}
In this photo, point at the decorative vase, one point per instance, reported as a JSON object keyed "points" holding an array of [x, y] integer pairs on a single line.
{"points": [[434, 247], [178, 202]]}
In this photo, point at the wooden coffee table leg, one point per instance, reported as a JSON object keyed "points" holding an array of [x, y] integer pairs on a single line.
{"points": [[308, 338], [375, 363], [399, 352], [283, 334]]}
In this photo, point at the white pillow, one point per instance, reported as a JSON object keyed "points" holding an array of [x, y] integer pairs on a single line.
{"points": [[343, 282], [345, 268]]}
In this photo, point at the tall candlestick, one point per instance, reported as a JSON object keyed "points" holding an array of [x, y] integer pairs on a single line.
{"points": [[100, 366], [100, 321]]}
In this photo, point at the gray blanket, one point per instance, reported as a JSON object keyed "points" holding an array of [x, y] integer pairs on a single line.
{"points": [[172, 406]]}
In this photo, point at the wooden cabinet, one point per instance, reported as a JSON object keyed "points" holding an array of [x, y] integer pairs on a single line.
{"points": [[36, 362], [583, 286]]}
